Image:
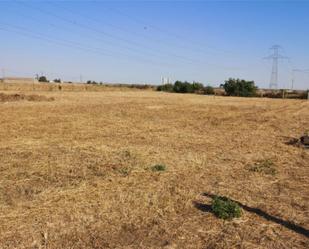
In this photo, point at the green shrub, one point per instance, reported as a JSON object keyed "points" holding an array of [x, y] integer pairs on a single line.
{"points": [[224, 208], [165, 88], [158, 167], [42, 79], [91, 82]]}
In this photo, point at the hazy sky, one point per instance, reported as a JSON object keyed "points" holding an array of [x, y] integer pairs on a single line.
{"points": [[140, 41]]}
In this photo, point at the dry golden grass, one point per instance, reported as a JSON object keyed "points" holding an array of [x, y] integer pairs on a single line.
{"points": [[19, 97], [56, 87], [76, 172]]}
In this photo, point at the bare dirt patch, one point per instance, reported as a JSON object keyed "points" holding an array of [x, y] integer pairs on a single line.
{"points": [[19, 97]]}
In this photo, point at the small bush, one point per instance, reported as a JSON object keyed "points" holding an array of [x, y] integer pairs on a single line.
{"points": [[209, 90], [224, 208], [124, 171], [138, 86], [42, 79], [264, 166], [89, 82], [158, 167]]}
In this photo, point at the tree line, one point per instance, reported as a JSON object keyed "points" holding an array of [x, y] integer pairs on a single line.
{"points": [[232, 87], [186, 87]]}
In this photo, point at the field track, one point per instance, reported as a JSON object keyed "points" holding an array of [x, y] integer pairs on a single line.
{"points": [[76, 172]]}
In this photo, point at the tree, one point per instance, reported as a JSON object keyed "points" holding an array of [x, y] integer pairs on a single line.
{"points": [[183, 87], [43, 79], [197, 87], [57, 80], [242, 88]]}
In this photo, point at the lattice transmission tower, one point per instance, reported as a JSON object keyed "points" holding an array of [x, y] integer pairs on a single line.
{"points": [[274, 72]]}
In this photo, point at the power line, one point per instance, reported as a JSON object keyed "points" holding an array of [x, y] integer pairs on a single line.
{"points": [[75, 45], [24, 31], [96, 38], [166, 32], [152, 39], [88, 27], [117, 38]]}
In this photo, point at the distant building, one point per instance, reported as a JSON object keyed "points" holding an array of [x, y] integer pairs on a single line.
{"points": [[18, 80]]}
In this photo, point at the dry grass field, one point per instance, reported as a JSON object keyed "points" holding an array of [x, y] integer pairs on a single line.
{"points": [[76, 172]]}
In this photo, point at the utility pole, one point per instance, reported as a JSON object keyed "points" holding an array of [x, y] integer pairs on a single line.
{"points": [[274, 72], [165, 80], [293, 78]]}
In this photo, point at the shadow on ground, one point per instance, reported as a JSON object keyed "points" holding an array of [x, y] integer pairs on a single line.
{"points": [[288, 224]]}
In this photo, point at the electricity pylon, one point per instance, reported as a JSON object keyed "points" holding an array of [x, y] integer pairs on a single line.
{"points": [[274, 72]]}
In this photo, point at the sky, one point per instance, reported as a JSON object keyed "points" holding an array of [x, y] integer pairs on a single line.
{"points": [[142, 41]]}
